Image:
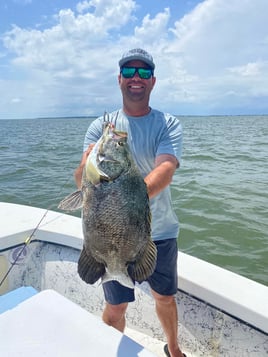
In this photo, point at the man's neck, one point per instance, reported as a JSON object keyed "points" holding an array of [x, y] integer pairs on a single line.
{"points": [[136, 111]]}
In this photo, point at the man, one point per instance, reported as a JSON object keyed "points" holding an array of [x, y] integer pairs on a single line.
{"points": [[155, 140]]}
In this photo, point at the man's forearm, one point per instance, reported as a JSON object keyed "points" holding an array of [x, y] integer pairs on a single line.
{"points": [[159, 178], [78, 173], [78, 176]]}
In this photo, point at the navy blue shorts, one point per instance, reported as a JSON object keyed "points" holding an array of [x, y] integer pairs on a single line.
{"points": [[164, 279]]}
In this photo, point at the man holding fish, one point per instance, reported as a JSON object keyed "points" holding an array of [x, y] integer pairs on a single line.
{"points": [[155, 142]]}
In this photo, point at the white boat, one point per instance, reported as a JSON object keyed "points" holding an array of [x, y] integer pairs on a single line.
{"points": [[220, 313]]}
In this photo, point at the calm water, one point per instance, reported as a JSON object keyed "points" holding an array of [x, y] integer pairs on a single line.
{"points": [[220, 193]]}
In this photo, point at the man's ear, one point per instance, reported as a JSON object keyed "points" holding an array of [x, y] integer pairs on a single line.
{"points": [[154, 80]]}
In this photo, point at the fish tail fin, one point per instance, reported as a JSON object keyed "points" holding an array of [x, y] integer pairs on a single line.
{"points": [[123, 279], [89, 269], [144, 266]]}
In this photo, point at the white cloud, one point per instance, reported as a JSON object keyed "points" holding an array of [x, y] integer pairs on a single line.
{"points": [[248, 70], [76, 41], [15, 100], [216, 36], [83, 6], [205, 62], [153, 29], [219, 33]]}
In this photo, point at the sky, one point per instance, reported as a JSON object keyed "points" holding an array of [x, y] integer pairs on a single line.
{"points": [[60, 57]]}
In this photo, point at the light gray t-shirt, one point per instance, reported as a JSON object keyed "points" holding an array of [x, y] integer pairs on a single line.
{"points": [[149, 136]]}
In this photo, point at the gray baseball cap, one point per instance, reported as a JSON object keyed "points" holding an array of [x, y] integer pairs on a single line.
{"points": [[137, 54]]}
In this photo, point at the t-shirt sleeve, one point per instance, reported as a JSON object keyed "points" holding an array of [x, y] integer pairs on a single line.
{"points": [[171, 138], [93, 133]]}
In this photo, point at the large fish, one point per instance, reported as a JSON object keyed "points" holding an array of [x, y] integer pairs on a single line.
{"points": [[115, 214]]}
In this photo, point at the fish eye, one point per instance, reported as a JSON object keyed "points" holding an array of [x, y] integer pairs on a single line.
{"points": [[120, 143]]}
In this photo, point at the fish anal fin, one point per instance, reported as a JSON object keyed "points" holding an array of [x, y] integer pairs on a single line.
{"points": [[89, 269]]}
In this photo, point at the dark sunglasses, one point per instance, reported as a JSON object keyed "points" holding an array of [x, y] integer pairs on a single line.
{"points": [[129, 72]]}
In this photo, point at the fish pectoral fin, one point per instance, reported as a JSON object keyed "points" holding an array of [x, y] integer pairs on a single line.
{"points": [[144, 265], [72, 202], [89, 269]]}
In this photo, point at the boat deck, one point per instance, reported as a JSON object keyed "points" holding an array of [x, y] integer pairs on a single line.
{"points": [[36, 318], [48, 324]]}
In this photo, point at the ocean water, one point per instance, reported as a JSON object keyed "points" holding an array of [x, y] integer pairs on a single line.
{"points": [[220, 193]]}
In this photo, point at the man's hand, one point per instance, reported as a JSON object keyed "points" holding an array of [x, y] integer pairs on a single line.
{"points": [[161, 176]]}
